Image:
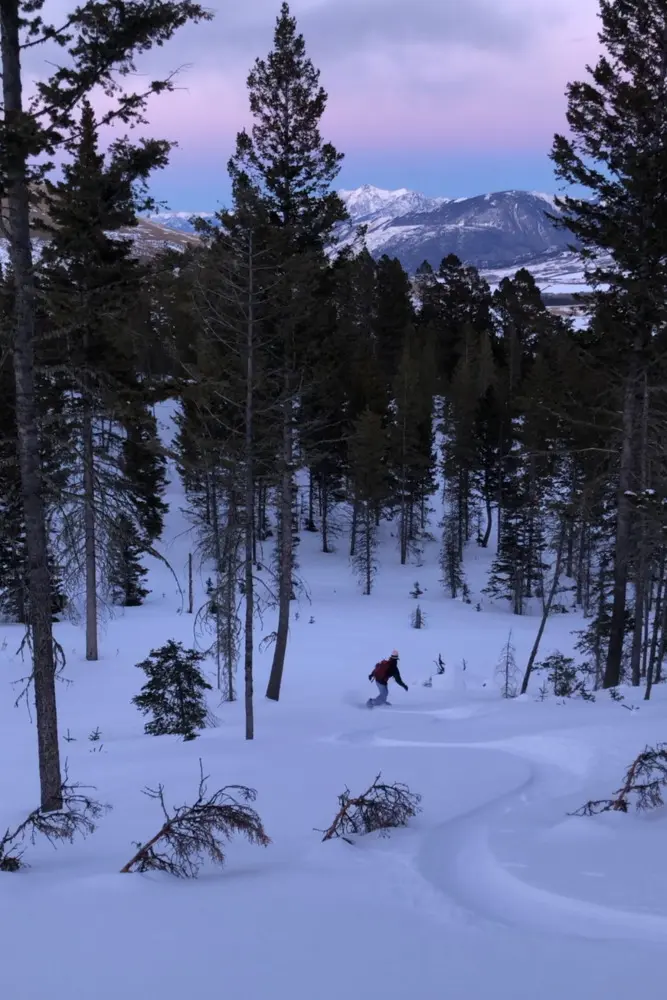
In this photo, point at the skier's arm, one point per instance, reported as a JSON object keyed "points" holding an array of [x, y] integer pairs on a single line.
{"points": [[399, 680]]}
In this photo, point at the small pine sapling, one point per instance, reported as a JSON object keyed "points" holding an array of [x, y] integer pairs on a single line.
{"points": [[380, 808], [644, 779], [507, 670], [416, 590], [565, 677], [174, 693], [96, 735], [418, 618], [126, 572], [192, 833], [439, 664], [78, 816]]}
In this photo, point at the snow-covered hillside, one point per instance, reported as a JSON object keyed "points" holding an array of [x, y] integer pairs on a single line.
{"points": [[493, 891], [555, 273]]}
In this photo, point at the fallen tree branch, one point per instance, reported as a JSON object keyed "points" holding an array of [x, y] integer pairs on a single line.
{"points": [[190, 833], [645, 778], [77, 816], [381, 807]]}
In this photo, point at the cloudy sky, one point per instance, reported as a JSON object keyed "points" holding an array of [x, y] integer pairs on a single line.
{"points": [[448, 97]]}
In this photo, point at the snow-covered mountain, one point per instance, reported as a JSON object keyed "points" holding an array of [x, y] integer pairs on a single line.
{"points": [[490, 230], [495, 230], [180, 222], [372, 201]]}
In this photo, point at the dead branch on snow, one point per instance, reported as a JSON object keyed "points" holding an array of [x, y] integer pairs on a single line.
{"points": [[381, 807], [191, 833], [78, 815], [645, 778]]}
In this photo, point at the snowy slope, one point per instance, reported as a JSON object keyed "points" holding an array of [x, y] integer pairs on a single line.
{"points": [[492, 892]]}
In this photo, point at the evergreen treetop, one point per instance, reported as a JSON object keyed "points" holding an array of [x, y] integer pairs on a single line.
{"points": [[283, 161], [618, 134]]}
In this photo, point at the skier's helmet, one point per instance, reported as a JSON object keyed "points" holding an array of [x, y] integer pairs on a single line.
{"points": [[394, 654]]}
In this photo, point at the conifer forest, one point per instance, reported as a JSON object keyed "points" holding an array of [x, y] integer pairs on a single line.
{"points": [[325, 548], [319, 390]]}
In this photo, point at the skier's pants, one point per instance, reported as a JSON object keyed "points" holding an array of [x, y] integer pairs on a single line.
{"points": [[382, 696]]}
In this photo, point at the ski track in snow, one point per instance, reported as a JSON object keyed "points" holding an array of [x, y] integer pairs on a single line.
{"points": [[456, 857]]}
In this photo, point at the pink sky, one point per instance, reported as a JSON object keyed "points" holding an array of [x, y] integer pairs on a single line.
{"points": [[387, 90], [427, 79]]}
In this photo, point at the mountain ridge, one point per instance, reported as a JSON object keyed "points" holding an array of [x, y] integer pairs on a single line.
{"points": [[493, 230]]}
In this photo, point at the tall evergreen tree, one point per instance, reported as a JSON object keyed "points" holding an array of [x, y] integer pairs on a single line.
{"points": [[412, 456], [368, 459], [284, 165], [615, 150], [92, 283], [101, 51], [395, 314]]}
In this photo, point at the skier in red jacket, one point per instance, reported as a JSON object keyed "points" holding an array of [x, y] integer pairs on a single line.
{"points": [[382, 673]]}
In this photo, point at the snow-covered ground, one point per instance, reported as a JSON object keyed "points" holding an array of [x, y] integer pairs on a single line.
{"points": [[492, 892]]}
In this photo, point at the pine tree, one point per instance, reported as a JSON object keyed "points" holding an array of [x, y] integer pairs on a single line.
{"points": [[458, 298], [284, 166], [371, 490], [618, 127], [100, 51], [323, 411], [174, 692], [126, 572], [395, 315], [144, 469], [507, 671], [93, 325], [412, 456]]}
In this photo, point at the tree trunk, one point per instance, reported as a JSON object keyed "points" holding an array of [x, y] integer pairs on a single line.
{"points": [[583, 569], [286, 546], [642, 581], [217, 553], [658, 617], [89, 531], [17, 131], [489, 519], [353, 531], [612, 674], [310, 526], [547, 606], [324, 494], [368, 549], [249, 509]]}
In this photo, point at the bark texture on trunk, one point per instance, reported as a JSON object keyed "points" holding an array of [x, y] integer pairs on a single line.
{"points": [[547, 605], [23, 356], [249, 511], [612, 673], [90, 534], [285, 551]]}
